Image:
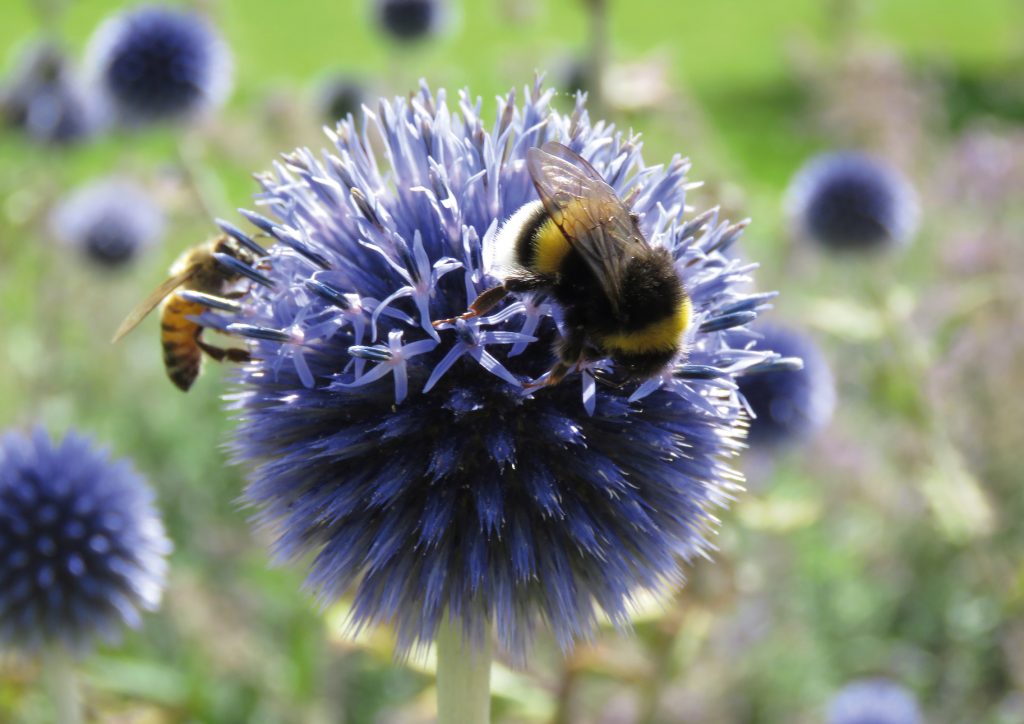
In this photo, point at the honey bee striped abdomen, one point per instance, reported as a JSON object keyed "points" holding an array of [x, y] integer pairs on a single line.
{"points": [[179, 336]]}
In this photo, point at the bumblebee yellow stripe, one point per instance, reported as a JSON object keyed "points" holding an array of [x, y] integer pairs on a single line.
{"points": [[659, 336], [550, 247]]}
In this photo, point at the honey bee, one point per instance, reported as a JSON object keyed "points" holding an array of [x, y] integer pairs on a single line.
{"points": [[198, 280], [581, 245]]}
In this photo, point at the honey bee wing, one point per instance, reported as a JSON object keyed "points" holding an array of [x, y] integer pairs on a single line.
{"points": [[589, 213], [147, 305]]}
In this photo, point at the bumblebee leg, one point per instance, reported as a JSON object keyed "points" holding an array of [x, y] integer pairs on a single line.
{"points": [[607, 379], [489, 299], [569, 350], [484, 303]]}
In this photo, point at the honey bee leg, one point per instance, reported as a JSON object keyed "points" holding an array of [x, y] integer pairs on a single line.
{"points": [[232, 354]]}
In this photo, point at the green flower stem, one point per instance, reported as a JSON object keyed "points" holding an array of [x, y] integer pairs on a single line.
{"points": [[463, 677], [597, 53], [59, 672], [203, 183]]}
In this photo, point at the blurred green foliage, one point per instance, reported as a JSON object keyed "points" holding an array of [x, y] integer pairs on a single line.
{"points": [[892, 545]]}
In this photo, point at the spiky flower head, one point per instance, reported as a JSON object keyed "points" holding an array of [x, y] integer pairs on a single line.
{"points": [[851, 201], [46, 98], [790, 402], [157, 63], [110, 221], [82, 547], [874, 701], [415, 464], [411, 20]]}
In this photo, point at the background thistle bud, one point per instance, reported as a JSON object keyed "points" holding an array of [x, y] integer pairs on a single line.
{"points": [[46, 98], [411, 20], [110, 221], [792, 403], [156, 63], [874, 701], [82, 547], [851, 201]]}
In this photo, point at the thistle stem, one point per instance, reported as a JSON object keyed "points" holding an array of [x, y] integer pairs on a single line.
{"points": [[205, 186], [463, 677], [597, 53], [49, 13], [59, 672]]}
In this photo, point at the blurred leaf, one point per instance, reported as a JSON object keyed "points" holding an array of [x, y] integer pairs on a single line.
{"points": [[956, 497], [144, 679], [778, 515], [525, 698], [846, 320]]}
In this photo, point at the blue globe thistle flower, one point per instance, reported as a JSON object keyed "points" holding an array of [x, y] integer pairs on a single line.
{"points": [[156, 63], [82, 547], [415, 464], [874, 701], [851, 201], [338, 96], [789, 403], [411, 20], [110, 221], [46, 99]]}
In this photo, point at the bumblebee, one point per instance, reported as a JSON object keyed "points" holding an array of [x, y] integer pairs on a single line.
{"points": [[581, 245], [198, 279]]}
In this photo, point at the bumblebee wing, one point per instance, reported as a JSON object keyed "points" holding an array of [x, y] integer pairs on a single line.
{"points": [[148, 304], [590, 214]]}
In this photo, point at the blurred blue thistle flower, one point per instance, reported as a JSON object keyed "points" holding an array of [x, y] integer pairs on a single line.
{"points": [[82, 547], [874, 701], [338, 96], [790, 402], [575, 73], [410, 20], [46, 98], [111, 221], [156, 63], [851, 201], [414, 464]]}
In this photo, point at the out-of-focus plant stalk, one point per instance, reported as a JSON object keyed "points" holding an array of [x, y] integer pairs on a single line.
{"points": [[597, 53], [843, 19], [50, 13], [204, 184], [59, 672], [463, 677]]}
